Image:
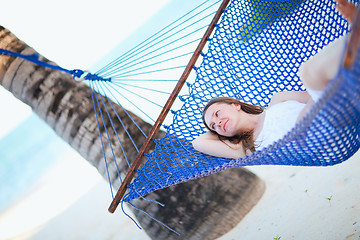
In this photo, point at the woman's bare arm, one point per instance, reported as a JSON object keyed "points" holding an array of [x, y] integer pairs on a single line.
{"points": [[307, 107], [319, 69], [300, 96], [210, 143]]}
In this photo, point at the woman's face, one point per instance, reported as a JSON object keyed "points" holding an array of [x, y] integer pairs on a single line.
{"points": [[224, 118]]}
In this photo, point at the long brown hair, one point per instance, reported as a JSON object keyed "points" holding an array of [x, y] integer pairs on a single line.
{"points": [[246, 138]]}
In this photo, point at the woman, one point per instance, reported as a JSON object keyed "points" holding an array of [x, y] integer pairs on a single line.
{"points": [[237, 128]]}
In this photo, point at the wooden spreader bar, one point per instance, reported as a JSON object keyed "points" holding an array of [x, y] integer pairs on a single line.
{"points": [[145, 147]]}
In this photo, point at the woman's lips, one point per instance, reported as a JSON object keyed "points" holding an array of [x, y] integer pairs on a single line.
{"points": [[225, 125]]}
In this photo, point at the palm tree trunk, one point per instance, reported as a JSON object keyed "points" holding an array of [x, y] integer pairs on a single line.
{"points": [[201, 209]]}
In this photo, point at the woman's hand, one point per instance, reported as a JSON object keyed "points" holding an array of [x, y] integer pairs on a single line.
{"points": [[209, 143]]}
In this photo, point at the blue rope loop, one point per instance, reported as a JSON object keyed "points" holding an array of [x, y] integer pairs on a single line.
{"points": [[34, 58], [77, 73]]}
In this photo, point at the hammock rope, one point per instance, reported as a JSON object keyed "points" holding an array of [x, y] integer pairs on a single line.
{"points": [[132, 56], [76, 73]]}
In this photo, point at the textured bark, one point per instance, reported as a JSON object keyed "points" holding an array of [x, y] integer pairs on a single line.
{"points": [[201, 209], [205, 208]]}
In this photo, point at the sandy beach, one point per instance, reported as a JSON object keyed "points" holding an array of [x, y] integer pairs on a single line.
{"points": [[305, 203], [70, 202]]}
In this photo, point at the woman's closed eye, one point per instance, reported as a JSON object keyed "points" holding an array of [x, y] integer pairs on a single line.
{"points": [[212, 125]]}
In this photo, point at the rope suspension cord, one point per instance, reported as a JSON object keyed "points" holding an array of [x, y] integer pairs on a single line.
{"points": [[131, 56], [143, 77], [76, 73], [136, 164]]}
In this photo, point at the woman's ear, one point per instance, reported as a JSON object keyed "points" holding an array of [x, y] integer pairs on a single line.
{"points": [[237, 106]]}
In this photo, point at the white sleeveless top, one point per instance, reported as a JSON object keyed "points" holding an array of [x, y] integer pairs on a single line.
{"points": [[279, 119]]}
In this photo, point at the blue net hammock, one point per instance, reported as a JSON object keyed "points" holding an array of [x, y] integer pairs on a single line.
{"points": [[254, 51]]}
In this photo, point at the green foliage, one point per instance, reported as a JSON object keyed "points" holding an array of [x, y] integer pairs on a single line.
{"points": [[277, 237], [259, 15]]}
